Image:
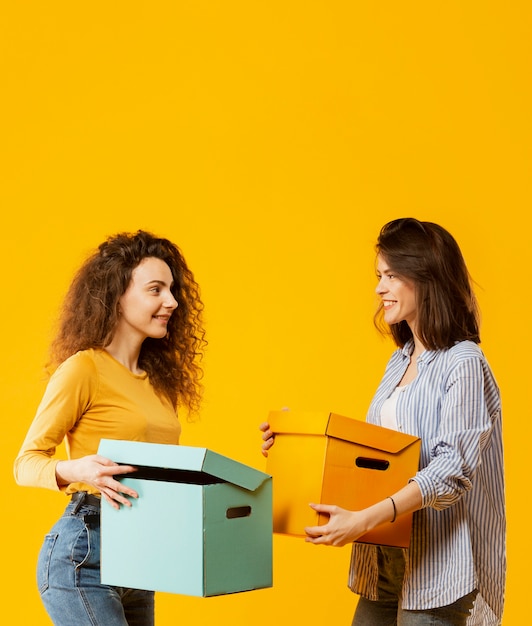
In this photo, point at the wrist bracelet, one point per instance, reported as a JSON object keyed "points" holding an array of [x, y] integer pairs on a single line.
{"points": [[394, 510]]}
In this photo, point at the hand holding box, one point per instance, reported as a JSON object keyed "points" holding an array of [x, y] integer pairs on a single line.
{"points": [[331, 459]]}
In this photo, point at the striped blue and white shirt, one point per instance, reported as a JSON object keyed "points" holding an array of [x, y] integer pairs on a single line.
{"points": [[458, 537]]}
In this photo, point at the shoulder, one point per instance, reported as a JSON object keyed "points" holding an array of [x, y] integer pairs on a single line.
{"points": [[464, 350], [77, 378], [464, 355], [82, 364], [464, 359], [460, 352]]}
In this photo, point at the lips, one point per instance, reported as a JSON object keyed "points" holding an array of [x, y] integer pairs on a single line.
{"points": [[388, 303]]}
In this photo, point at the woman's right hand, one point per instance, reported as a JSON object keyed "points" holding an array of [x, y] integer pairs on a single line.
{"points": [[268, 438], [99, 472]]}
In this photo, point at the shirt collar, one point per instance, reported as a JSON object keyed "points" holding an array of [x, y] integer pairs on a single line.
{"points": [[424, 357]]}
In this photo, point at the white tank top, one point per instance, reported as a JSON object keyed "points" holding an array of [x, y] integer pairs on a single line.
{"points": [[389, 409]]}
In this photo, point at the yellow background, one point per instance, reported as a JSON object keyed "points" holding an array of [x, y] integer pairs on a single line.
{"points": [[270, 140]]}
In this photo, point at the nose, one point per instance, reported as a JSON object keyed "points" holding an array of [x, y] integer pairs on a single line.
{"points": [[380, 289], [171, 302]]}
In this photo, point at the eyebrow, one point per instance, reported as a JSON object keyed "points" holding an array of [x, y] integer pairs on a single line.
{"points": [[158, 282]]}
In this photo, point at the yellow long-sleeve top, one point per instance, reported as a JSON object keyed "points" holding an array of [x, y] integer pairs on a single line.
{"points": [[91, 396]]}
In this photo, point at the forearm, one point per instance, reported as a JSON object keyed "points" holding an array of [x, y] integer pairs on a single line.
{"points": [[346, 526], [36, 470], [406, 500]]}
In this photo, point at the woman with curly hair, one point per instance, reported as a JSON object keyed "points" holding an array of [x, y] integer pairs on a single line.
{"points": [[124, 359]]}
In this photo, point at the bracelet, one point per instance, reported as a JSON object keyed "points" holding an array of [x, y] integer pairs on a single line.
{"points": [[394, 510]]}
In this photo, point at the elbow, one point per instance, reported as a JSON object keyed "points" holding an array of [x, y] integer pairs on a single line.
{"points": [[451, 492], [441, 493], [22, 472], [18, 474]]}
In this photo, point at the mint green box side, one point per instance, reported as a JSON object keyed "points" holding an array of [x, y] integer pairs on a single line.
{"points": [[242, 560], [157, 543]]}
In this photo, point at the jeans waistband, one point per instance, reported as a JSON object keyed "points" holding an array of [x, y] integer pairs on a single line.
{"points": [[82, 497]]}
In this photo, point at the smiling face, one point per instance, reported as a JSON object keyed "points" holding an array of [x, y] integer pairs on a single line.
{"points": [[398, 296], [148, 303]]}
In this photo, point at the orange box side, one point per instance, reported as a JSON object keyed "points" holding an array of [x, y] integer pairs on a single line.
{"points": [[296, 468], [359, 466]]}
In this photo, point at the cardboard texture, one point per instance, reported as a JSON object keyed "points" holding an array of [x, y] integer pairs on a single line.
{"points": [[202, 525], [331, 459]]}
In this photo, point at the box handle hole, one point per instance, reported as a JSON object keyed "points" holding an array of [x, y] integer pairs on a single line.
{"points": [[374, 464], [238, 511]]}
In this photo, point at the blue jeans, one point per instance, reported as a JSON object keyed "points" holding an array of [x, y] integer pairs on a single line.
{"points": [[387, 610], [68, 576]]}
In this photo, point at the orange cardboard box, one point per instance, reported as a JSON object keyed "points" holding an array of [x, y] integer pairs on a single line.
{"points": [[331, 459]]}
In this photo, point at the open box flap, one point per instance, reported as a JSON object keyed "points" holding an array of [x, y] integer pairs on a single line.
{"points": [[369, 435], [340, 427], [185, 458], [233, 471]]}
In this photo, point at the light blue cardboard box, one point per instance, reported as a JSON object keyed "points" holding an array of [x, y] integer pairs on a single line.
{"points": [[202, 525]]}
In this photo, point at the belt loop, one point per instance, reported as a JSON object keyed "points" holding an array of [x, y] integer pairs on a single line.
{"points": [[79, 502], [91, 519]]}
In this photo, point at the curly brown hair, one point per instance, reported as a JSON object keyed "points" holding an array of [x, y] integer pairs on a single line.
{"points": [[89, 315], [428, 255]]}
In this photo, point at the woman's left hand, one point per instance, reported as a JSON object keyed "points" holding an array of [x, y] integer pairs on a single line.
{"points": [[342, 528]]}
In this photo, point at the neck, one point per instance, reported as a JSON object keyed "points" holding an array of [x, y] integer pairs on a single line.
{"points": [[418, 348], [126, 354]]}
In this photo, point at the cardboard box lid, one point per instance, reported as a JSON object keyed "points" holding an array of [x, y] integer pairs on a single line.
{"points": [[340, 427], [185, 458]]}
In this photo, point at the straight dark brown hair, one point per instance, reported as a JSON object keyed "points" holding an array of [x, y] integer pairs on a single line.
{"points": [[428, 256]]}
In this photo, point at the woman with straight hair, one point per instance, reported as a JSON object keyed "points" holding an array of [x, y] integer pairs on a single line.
{"points": [[437, 386]]}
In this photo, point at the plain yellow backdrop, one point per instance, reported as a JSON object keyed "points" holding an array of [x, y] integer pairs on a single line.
{"points": [[271, 141]]}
